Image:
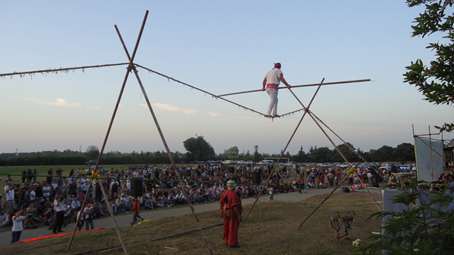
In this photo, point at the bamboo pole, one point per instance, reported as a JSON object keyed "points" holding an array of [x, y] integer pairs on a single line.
{"points": [[164, 142], [282, 152], [324, 200], [297, 86], [131, 61]]}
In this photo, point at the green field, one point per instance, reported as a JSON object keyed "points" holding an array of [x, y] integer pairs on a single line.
{"points": [[271, 228], [16, 171]]}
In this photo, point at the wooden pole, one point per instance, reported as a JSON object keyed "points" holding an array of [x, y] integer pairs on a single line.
{"points": [[324, 200], [164, 143], [282, 152], [297, 86], [80, 215], [131, 61]]}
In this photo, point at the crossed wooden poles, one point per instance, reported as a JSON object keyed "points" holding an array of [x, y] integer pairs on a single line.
{"points": [[132, 68], [316, 120]]}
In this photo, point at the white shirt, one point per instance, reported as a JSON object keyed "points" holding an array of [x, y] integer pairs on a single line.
{"points": [[75, 204], [17, 223], [9, 196], [46, 191], [61, 207], [273, 76], [3, 219], [32, 195]]}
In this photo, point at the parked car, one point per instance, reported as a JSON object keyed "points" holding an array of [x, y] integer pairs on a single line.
{"points": [[266, 162], [91, 162], [343, 165]]}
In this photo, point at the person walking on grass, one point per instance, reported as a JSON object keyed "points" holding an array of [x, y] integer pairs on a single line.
{"points": [[136, 209]]}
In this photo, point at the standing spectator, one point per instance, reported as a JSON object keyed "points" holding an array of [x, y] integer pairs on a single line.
{"points": [[32, 195], [18, 197], [88, 216], [46, 191], [80, 197], [9, 199], [64, 188], [78, 218], [24, 176], [114, 186], [72, 186], [35, 174], [29, 176], [17, 226], [50, 174], [9, 179], [270, 192], [60, 215]]}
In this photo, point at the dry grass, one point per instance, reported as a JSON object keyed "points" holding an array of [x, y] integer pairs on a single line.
{"points": [[270, 229]]}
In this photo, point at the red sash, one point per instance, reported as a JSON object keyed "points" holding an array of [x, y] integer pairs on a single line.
{"points": [[272, 86]]}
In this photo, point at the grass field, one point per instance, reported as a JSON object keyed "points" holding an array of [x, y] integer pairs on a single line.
{"points": [[16, 171], [272, 228]]}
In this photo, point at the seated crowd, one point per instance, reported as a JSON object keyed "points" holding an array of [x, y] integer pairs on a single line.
{"points": [[160, 188]]}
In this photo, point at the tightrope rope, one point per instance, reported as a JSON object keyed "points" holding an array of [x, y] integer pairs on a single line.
{"points": [[57, 70], [204, 91]]}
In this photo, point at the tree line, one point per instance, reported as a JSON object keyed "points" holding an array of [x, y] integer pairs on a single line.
{"points": [[198, 149]]}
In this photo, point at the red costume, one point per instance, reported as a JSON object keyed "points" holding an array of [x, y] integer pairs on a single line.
{"points": [[230, 199]]}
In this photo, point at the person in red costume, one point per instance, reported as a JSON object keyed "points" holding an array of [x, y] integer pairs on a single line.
{"points": [[231, 210], [136, 209]]}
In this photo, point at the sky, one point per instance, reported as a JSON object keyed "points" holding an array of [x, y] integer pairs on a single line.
{"points": [[220, 47]]}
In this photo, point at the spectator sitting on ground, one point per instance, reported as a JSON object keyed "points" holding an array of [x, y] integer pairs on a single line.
{"points": [[113, 207], [29, 223], [31, 212], [122, 207], [129, 204], [159, 202], [103, 208], [4, 221], [97, 211], [148, 204], [48, 217]]}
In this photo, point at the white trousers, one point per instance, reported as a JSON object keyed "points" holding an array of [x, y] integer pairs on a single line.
{"points": [[273, 101]]}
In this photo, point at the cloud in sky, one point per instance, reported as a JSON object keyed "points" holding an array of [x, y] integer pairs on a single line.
{"points": [[214, 114], [174, 108], [60, 102]]}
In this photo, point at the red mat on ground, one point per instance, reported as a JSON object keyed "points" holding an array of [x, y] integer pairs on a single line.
{"points": [[62, 234]]}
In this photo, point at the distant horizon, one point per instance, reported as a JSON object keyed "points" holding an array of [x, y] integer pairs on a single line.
{"points": [[219, 47], [240, 152]]}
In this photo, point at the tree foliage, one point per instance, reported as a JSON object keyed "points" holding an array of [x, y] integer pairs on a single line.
{"points": [[92, 152], [423, 229], [198, 149], [435, 81], [233, 152]]}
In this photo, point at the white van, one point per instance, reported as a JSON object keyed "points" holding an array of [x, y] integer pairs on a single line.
{"points": [[266, 162]]}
